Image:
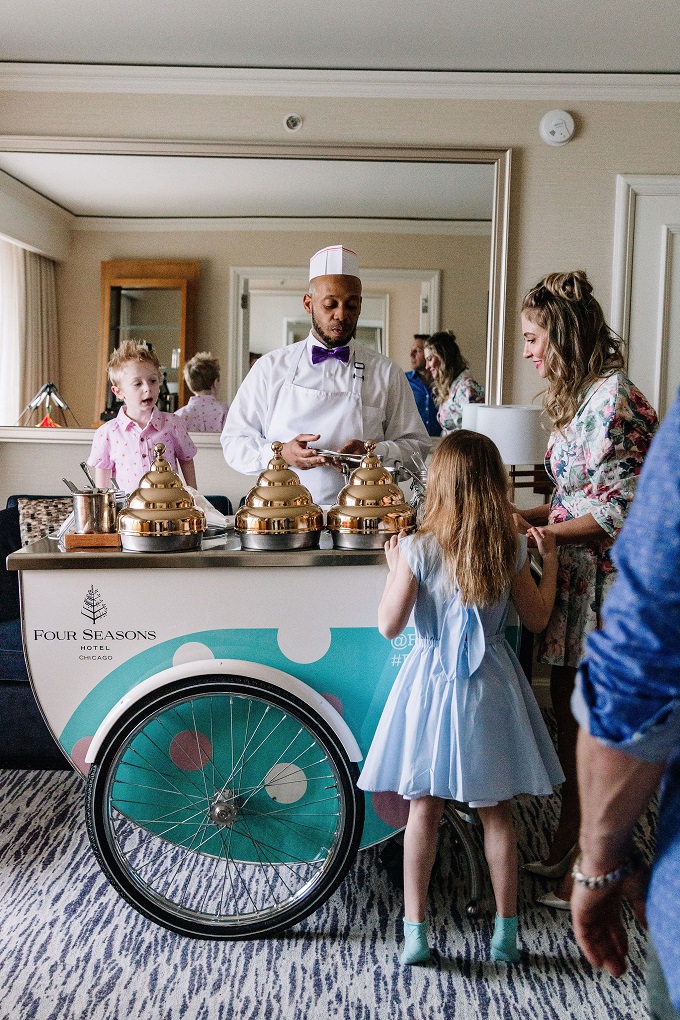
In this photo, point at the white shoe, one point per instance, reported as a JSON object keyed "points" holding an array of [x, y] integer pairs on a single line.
{"points": [[558, 870], [551, 900]]}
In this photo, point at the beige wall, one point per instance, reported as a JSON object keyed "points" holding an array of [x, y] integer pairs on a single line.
{"points": [[562, 199], [464, 261]]}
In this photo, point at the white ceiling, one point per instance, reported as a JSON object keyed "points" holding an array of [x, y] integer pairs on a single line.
{"points": [[441, 35], [445, 35], [172, 186]]}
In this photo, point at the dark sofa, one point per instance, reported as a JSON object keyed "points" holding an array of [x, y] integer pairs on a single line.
{"points": [[25, 741]]}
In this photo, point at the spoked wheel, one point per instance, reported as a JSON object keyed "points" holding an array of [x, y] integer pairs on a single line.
{"points": [[222, 807]]}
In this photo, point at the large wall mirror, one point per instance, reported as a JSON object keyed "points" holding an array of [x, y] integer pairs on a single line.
{"points": [[150, 301], [430, 226]]}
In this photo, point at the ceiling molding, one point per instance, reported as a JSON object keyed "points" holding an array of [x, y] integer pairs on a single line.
{"points": [[459, 85], [449, 228], [33, 221]]}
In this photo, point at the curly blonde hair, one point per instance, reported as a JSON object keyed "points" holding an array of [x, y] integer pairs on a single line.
{"points": [[581, 347], [468, 511]]}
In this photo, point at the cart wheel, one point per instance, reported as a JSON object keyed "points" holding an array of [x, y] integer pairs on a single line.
{"points": [[222, 807]]}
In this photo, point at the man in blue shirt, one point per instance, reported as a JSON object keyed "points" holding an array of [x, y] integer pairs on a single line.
{"points": [[421, 384], [627, 702]]}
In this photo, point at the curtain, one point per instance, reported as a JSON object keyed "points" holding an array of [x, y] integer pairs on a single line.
{"points": [[41, 337], [12, 317]]}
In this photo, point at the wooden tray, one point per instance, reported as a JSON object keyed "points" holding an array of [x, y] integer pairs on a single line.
{"points": [[108, 541]]}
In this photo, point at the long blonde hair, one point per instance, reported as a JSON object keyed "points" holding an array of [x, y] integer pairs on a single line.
{"points": [[446, 347], [468, 511], [581, 347]]}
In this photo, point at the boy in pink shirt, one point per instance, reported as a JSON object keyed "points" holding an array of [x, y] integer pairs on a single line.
{"points": [[124, 446], [203, 413]]}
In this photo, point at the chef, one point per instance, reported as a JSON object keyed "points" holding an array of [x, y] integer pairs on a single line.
{"points": [[326, 392]]}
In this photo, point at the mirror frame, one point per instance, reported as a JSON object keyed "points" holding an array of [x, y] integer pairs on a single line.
{"points": [[499, 158]]}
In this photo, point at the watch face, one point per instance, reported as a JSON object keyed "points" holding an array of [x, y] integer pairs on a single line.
{"points": [[556, 127]]}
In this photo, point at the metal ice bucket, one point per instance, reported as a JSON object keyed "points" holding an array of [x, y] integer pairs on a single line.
{"points": [[94, 512]]}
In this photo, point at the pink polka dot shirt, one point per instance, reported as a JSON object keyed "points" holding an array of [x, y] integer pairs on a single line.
{"points": [[127, 450], [203, 414]]}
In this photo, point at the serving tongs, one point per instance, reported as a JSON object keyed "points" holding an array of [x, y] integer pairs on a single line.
{"points": [[90, 477], [347, 461], [113, 486], [417, 480]]}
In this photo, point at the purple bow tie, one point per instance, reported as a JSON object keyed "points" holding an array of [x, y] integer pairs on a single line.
{"points": [[322, 353]]}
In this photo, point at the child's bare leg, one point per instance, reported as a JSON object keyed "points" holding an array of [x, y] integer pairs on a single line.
{"points": [[420, 850], [500, 850]]}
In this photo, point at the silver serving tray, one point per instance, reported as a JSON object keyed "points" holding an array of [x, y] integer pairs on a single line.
{"points": [[161, 543], [354, 540], [268, 543]]}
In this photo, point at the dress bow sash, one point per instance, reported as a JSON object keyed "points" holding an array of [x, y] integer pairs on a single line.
{"points": [[462, 642]]}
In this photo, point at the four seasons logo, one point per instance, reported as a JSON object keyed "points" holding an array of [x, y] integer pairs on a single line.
{"points": [[94, 607]]}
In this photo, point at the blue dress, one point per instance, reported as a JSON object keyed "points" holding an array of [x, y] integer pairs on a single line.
{"points": [[461, 721]]}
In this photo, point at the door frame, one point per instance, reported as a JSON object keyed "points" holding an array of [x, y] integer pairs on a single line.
{"points": [[628, 188]]}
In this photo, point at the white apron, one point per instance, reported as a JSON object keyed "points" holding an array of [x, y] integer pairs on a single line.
{"points": [[338, 417]]}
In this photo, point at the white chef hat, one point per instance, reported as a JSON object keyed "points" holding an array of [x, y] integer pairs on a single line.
{"points": [[334, 261]]}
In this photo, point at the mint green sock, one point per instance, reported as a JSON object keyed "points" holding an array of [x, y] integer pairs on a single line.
{"points": [[416, 949], [504, 940]]}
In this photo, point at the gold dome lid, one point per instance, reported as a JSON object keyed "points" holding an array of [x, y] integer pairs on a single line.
{"points": [[371, 505], [278, 506], [161, 507]]}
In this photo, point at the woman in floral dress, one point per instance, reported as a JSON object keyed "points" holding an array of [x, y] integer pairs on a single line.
{"points": [[453, 384], [602, 426]]}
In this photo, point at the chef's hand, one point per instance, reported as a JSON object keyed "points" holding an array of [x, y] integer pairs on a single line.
{"points": [[297, 454], [354, 446]]}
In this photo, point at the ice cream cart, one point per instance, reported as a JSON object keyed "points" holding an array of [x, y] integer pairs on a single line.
{"points": [[218, 702]]}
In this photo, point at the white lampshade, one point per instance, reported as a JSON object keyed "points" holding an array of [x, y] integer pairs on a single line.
{"points": [[469, 417], [517, 432]]}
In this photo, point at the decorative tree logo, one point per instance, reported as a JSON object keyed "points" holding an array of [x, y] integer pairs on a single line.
{"points": [[94, 607]]}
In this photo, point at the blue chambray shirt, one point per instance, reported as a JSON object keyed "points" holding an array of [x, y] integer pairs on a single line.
{"points": [[425, 403], [628, 689]]}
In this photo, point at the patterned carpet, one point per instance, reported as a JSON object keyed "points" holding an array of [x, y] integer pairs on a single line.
{"points": [[71, 949]]}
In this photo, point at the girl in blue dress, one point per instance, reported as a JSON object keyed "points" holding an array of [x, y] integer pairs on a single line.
{"points": [[461, 722]]}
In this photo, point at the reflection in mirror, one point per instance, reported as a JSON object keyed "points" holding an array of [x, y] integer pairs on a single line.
{"points": [[151, 316], [151, 301], [396, 304], [435, 210]]}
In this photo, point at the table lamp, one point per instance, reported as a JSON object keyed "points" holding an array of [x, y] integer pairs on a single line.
{"points": [[518, 433]]}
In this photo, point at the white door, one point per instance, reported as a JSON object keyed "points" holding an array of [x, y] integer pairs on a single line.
{"points": [[646, 285]]}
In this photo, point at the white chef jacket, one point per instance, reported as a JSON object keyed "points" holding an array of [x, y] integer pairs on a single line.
{"points": [[285, 394]]}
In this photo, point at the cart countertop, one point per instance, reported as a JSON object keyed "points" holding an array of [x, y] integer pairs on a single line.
{"points": [[45, 554]]}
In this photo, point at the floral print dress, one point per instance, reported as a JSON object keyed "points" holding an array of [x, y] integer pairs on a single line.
{"points": [[464, 390], [595, 465]]}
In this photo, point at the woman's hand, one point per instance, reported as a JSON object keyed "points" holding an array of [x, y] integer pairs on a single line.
{"points": [[544, 540]]}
